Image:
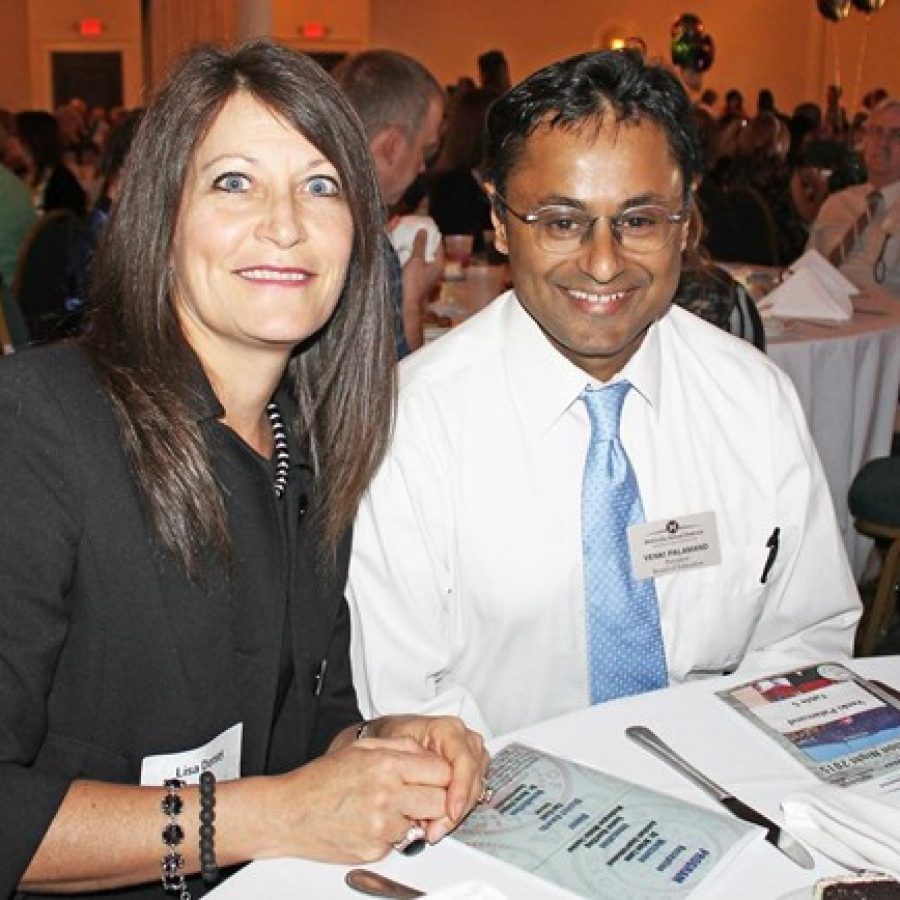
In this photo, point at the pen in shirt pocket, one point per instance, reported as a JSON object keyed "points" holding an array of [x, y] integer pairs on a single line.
{"points": [[772, 546]]}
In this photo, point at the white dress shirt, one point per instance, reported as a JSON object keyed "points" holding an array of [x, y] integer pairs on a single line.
{"points": [[844, 208], [466, 588]]}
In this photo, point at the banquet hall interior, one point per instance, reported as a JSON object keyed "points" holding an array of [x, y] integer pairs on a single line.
{"points": [[812, 69]]}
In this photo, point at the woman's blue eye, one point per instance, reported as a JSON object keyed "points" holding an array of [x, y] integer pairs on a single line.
{"points": [[232, 182], [323, 186]]}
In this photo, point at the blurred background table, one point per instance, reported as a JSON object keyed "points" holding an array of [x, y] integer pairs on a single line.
{"points": [[848, 377]]}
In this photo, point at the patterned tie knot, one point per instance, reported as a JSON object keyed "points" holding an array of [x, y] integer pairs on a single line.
{"points": [[604, 407]]}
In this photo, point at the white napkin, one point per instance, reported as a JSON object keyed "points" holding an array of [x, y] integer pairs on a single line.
{"points": [[468, 890], [853, 829], [403, 234], [836, 283], [803, 295]]}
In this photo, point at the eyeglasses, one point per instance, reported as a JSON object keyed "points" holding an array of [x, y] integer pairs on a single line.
{"points": [[891, 135], [563, 229]]}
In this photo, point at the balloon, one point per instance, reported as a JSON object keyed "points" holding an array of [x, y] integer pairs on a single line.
{"points": [[869, 6], [834, 9], [691, 47]]}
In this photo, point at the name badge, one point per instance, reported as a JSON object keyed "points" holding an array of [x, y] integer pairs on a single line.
{"points": [[672, 545], [221, 756]]}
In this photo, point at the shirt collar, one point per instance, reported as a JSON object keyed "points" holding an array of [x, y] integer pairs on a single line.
{"points": [[544, 384]]}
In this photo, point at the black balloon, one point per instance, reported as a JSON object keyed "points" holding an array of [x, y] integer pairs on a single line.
{"points": [[869, 6], [834, 9], [691, 47]]}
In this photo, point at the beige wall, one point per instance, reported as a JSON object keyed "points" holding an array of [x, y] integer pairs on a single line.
{"points": [[15, 78], [782, 44], [43, 26]]}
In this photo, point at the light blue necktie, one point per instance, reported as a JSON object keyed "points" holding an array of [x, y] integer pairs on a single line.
{"points": [[624, 642]]}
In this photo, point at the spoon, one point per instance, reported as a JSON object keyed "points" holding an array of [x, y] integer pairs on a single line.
{"points": [[374, 885]]}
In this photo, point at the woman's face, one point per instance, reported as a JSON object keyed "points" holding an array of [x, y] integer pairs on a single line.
{"points": [[263, 238]]}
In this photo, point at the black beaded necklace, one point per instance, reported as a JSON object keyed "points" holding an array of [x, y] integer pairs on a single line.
{"points": [[282, 456]]}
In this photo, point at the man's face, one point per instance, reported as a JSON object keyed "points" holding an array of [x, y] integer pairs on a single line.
{"points": [[409, 155], [881, 148], [596, 303]]}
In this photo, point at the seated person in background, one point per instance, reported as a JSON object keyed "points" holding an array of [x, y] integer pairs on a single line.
{"points": [[17, 216], [457, 201], [177, 492], [858, 229], [37, 142], [759, 164], [493, 72], [490, 573], [401, 106], [110, 171], [709, 291]]}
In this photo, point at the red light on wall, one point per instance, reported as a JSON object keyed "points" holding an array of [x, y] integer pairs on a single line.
{"points": [[313, 30], [90, 27]]}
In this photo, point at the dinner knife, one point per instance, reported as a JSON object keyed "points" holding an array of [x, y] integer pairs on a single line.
{"points": [[775, 835]]}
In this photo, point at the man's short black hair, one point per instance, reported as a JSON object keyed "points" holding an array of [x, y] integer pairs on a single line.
{"points": [[587, 88]]}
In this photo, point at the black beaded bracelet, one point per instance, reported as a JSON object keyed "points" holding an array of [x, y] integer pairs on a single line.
{"points": [[209, 870], [173, 881]]}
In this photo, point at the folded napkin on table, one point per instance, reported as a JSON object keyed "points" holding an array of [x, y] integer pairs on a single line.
{"points": [[853, 829], [832, 278], [403, 236], [803, 295]]}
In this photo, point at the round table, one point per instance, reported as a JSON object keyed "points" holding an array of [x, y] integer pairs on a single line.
{"points": [[847, 376]]}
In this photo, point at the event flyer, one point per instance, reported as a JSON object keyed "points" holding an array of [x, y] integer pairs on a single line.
{"points": [[844, 729], [597, 835]]}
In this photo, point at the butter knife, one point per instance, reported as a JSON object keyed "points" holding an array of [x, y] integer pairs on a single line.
{"points": [[775, 835]]}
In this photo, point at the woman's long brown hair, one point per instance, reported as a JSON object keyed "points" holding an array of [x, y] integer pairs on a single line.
{"points": [[342, 377]]}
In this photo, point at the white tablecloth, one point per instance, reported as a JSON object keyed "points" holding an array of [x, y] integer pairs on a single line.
{"points": [[690, 717], [847, 378]]}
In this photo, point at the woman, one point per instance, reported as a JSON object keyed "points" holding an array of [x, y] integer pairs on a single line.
{"points": [[457, 201], [177, 495]]}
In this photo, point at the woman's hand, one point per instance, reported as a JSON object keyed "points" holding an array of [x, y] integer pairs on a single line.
{"points": [[354, 803], [461, 747]]}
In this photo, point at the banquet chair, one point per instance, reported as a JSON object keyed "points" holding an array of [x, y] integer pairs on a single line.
{"points": [[6, 343], [13, 330], [874, 500], [739, 225], [41, 284]]}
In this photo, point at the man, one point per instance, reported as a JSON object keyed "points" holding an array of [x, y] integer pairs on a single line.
{"points": [[493, 72], [401, 106], [866, 245], [476, 584]]}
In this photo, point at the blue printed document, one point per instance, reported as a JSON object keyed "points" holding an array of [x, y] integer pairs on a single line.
{"points": [[597, 835]]}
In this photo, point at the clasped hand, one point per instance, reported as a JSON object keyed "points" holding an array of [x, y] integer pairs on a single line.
{"points": [[356, 801]]}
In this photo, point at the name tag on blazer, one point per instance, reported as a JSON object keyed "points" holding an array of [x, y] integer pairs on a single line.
{"points": [[221, 756]]}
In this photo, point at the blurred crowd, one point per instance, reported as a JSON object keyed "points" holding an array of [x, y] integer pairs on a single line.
{"points": [[58, 181], [767, 173], [765, 179]]}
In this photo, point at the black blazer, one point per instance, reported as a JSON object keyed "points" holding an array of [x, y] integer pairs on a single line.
{"points": [[108, 653]]}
